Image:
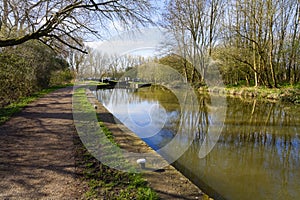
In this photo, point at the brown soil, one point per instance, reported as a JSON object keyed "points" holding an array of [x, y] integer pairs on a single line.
{"points": [[38, 155]]}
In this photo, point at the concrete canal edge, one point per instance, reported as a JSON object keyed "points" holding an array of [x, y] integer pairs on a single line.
{"points": [[167, 182]]}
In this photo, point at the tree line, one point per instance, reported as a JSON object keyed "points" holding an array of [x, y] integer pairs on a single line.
{"points": [[256, 42], [253, 42], [98, 64]]}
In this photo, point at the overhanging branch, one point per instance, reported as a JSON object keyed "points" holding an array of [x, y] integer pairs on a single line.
{"points": [[69, 20], [67, 44]]}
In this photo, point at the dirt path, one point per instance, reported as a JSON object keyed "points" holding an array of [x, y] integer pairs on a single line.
{"points": [[37, 157]]}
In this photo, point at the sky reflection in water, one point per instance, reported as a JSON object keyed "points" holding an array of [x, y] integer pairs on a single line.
{"points": [[257, 154]]}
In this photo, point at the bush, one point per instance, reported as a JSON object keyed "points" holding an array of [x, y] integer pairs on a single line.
{"points": [[28, 68], [61, 77], [16, 78]]}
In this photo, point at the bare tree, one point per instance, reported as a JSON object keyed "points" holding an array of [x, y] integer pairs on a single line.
{"points": [[64, 21], [262, 36], [194, 26]]}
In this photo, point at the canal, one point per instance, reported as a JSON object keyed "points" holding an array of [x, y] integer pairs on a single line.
{"points": [[256, 155]]}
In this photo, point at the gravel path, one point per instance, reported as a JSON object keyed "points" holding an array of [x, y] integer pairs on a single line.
{"points": [[37, 152]]}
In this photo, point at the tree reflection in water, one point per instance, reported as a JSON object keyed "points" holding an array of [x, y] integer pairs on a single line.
{"points": [[257, 154]]}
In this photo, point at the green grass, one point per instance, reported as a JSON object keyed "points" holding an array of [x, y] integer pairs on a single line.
{"points": [[9, 110], [104, 181], [90, 83], [286, 93]]}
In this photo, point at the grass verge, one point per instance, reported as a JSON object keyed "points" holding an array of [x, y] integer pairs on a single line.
{"points": [[289, 94], [9, 110], [102, 181]]}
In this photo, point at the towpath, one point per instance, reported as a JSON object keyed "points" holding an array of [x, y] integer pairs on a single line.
{"points": [[37, 152], [38, 155]]}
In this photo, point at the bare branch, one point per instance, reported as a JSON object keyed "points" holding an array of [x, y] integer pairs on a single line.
{"points": [[59, 18], [67, 44]]}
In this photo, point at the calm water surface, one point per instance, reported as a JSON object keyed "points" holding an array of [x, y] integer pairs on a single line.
{"points": [[257, 153]]}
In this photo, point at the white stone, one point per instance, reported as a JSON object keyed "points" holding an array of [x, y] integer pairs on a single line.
{"points": [[141, 160]]}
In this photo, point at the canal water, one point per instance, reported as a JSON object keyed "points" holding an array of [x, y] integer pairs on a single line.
{"points": [[256, 155]]}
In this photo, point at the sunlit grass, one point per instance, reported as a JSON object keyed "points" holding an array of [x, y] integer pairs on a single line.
{"points": [[285, 93], [90, 83]]}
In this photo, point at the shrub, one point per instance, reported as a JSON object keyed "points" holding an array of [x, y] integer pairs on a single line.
{"points": [[28, 68], [61, 77]]}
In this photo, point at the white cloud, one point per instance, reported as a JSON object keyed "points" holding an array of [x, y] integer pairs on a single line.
{"points": [[145, 41]]}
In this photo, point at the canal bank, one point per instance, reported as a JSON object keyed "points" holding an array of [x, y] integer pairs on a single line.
{"points": [[167, 182], [286, 95], [255, 153]]}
